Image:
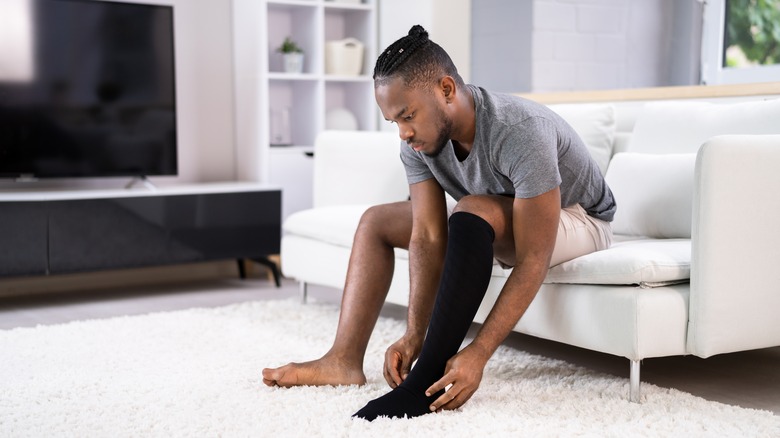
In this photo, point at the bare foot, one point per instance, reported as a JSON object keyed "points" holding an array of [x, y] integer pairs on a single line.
{"points": [[321, 372]]}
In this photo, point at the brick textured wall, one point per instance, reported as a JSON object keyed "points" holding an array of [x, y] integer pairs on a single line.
{"points": [[603, 44]]}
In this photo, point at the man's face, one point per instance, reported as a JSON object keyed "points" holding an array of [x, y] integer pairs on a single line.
{"points": [[419, 113]]}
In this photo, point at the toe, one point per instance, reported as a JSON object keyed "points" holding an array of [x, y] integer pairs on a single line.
{"points": [[271, 376]]}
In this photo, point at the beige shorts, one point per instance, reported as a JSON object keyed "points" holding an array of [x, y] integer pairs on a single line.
{"points": [[578, 234]]}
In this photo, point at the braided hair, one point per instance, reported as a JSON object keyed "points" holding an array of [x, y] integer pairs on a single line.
{"points": [[417, 60]]}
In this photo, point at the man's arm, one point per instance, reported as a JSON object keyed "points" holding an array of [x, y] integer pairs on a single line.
{"points": [[426, 259], [535, 227]]}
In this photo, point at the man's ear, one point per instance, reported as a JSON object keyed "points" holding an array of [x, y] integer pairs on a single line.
{"points": [[448, 88]]}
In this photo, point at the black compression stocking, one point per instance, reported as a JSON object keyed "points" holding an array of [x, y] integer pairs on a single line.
{"points": [[467, 266]]}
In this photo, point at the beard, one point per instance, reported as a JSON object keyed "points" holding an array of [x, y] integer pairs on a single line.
{"points": [[444, 134]]}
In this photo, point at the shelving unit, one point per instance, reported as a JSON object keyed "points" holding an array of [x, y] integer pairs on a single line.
{"points": [[266, 94]]}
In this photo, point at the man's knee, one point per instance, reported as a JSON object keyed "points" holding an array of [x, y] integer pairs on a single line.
{"points": [[468, 204], [391, 222], [488, 207], [496, 210], [372, 214], [380, 214]]}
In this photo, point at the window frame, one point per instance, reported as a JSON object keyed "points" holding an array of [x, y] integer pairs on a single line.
{"points": [[713, 35]]}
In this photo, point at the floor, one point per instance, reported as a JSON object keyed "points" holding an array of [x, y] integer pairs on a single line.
{"points": [[748, 379]]}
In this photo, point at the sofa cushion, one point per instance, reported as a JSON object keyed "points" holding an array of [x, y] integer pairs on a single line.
{"points": [[595, 124], [332, 224], [336, 225], [358, 167], [647, 262], [654, 194], [682, 127], [644, 262]]}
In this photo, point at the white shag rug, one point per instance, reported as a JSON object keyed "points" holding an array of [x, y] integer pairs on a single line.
{"points": [[196, 373]]}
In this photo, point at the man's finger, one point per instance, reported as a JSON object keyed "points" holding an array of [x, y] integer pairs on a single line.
{"points": [[454, 403], [386, 374], [393, 371], [406, 365], [445, 399], [439, 385], [395, 379], [386, 367]]}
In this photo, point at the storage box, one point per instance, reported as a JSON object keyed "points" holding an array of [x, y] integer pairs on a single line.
{"points": [[344, 57]]}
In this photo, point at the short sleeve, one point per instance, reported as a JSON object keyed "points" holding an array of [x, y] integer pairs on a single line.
{"points": [[416, 169], [528, 156]]}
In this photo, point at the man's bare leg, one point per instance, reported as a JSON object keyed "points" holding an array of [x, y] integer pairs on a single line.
{"points": [[371, 263]]}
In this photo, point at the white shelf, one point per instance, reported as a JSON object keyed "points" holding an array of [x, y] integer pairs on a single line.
{"points": [[292, 3], [292, 149], [281, 76], [264, 91], [368, 6]]}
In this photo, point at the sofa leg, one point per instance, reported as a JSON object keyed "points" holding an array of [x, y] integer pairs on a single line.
{"points": [[302, 286], [633, 394]]}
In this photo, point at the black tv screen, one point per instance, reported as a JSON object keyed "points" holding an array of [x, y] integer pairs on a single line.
{"points": [[87, 89]]}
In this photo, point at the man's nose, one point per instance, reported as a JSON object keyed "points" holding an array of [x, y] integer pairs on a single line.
{"points": [[405, 132]]}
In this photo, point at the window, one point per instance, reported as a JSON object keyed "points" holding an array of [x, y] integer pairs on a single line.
{"points": [[741, 41]]}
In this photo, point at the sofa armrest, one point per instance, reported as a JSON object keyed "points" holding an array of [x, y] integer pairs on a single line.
{"points": [[735, 272], [358, 167]]}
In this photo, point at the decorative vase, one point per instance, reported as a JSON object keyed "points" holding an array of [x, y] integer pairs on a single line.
{"points": [[293, 62], [344, 57]]}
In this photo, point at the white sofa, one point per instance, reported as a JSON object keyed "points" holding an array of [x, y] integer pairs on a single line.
{"points": [[694, 268]]}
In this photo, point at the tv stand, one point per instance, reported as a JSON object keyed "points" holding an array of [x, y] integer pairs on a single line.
{"points": [[69, 231], [143, 180]]}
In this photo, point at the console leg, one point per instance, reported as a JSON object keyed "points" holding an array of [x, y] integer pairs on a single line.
{"points": [[634, 394], [272, 266], [241, 268], [265, 262]]}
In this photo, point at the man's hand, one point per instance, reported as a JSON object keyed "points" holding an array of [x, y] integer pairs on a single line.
{"points": [[464, 373], [399, 358]]}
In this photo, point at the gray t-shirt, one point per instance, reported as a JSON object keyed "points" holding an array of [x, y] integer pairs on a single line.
{"points": [[521, 149]]}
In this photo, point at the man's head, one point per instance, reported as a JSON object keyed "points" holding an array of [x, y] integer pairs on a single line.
{"points": [[416, 60], [415, 80]]}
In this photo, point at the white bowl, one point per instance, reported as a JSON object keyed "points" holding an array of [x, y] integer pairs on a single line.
{"points": [[340, 119]]}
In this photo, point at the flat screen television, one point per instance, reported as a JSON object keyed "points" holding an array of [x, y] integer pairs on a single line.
{"points": [[87, 89]]}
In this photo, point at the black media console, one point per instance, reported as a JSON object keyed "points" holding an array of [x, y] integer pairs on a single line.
{"points": [[59, 232]]}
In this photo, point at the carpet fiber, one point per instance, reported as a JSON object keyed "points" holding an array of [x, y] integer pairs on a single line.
{"points": [[197, 373]]}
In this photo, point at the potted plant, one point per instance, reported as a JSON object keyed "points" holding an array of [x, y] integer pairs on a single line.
{"points": [[293, 56]]}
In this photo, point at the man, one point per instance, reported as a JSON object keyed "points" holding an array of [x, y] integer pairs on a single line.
{"points": [[529, 195]]}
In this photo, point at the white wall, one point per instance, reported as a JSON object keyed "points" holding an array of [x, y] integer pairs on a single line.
{"points": [[204, 80], [448, 23], [558, 45], [592, 45], [608, 44], [501, 44]]}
